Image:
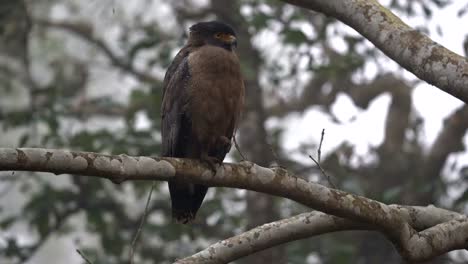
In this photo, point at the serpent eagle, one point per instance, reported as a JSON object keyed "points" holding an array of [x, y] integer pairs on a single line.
{"points": [[203, 95]]}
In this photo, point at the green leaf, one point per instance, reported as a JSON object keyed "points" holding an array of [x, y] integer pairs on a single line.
{"points": [[294, 36], [260, 20], [6, 222], [462, 199]]}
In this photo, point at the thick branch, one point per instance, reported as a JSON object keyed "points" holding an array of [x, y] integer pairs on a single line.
{"points": [[413, 50], [270, 235], [387, 219], [304, 226]]}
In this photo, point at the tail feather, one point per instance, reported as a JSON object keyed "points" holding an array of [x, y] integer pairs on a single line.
{"points": [[186, 199]]}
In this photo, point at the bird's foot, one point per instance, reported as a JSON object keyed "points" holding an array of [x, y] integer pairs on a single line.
{"points": [[212, 162]]}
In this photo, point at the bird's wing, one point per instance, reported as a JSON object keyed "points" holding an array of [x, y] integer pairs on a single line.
{"points": [[186, 198], [172, 69], [175, 118]]}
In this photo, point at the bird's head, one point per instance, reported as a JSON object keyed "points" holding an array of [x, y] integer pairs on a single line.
{"points": [[213, 33]]}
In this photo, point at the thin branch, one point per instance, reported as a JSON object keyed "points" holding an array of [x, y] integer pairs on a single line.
{"points": [[323, 172], [275, 155], [83, 256], [238, 148], [319, 150], [317, 162], [85, 31], [140, 227]]}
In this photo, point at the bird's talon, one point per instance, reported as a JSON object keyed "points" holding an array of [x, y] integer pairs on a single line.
{"points": [[212, 162]]}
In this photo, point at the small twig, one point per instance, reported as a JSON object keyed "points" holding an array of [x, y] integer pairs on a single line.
{"points": [[319, 150], [275, 156], [317, 162], [83, 256], [323, 172], [140, 227], [237, 147]]}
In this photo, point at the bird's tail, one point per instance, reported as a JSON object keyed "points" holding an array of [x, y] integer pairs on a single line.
{"points": [[186, 199]]}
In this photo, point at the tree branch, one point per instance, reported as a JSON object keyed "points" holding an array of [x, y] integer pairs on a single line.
{"points": [[413, 50], [412, 245], [270, 235], [303, 226], [448, 141], [86, 32]]}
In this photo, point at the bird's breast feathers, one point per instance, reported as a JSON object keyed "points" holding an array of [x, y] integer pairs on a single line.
{"points": [[216, 87], [211, 60]]}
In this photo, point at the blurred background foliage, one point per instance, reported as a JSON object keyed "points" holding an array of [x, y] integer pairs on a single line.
{"points": [[87, 75]]}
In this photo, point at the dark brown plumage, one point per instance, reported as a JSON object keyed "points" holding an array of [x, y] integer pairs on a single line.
{"points": [[203, 96]]}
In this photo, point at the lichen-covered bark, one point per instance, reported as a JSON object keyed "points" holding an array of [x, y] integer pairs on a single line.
{"points": [[413, 50], [116, 168], [269, 235], [303, 226], [397, 222]]}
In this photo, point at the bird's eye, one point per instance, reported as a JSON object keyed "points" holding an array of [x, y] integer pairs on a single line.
{"points": [[218, 35]]}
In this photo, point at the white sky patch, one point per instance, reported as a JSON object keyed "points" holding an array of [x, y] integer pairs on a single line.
{"points": [[246, 10], [142, 121], [110, 83], [370, 69], [451, 26], [344, 108], [266, 41], [266, 9], [434, 105], [362, 129], [335, 39], [308, 30]]}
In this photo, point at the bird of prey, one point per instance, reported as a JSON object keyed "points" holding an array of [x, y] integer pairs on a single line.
{"points": [[203, 95]]}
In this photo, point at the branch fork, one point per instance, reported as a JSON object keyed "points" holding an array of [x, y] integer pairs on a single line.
{"points": [[341, 210]]}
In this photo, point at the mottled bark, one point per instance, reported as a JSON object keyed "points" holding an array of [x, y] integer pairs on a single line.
{"points": [[303, 226]]}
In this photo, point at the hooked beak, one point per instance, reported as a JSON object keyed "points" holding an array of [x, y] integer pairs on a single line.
{"points": [[229, 39], [232, 40]]}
